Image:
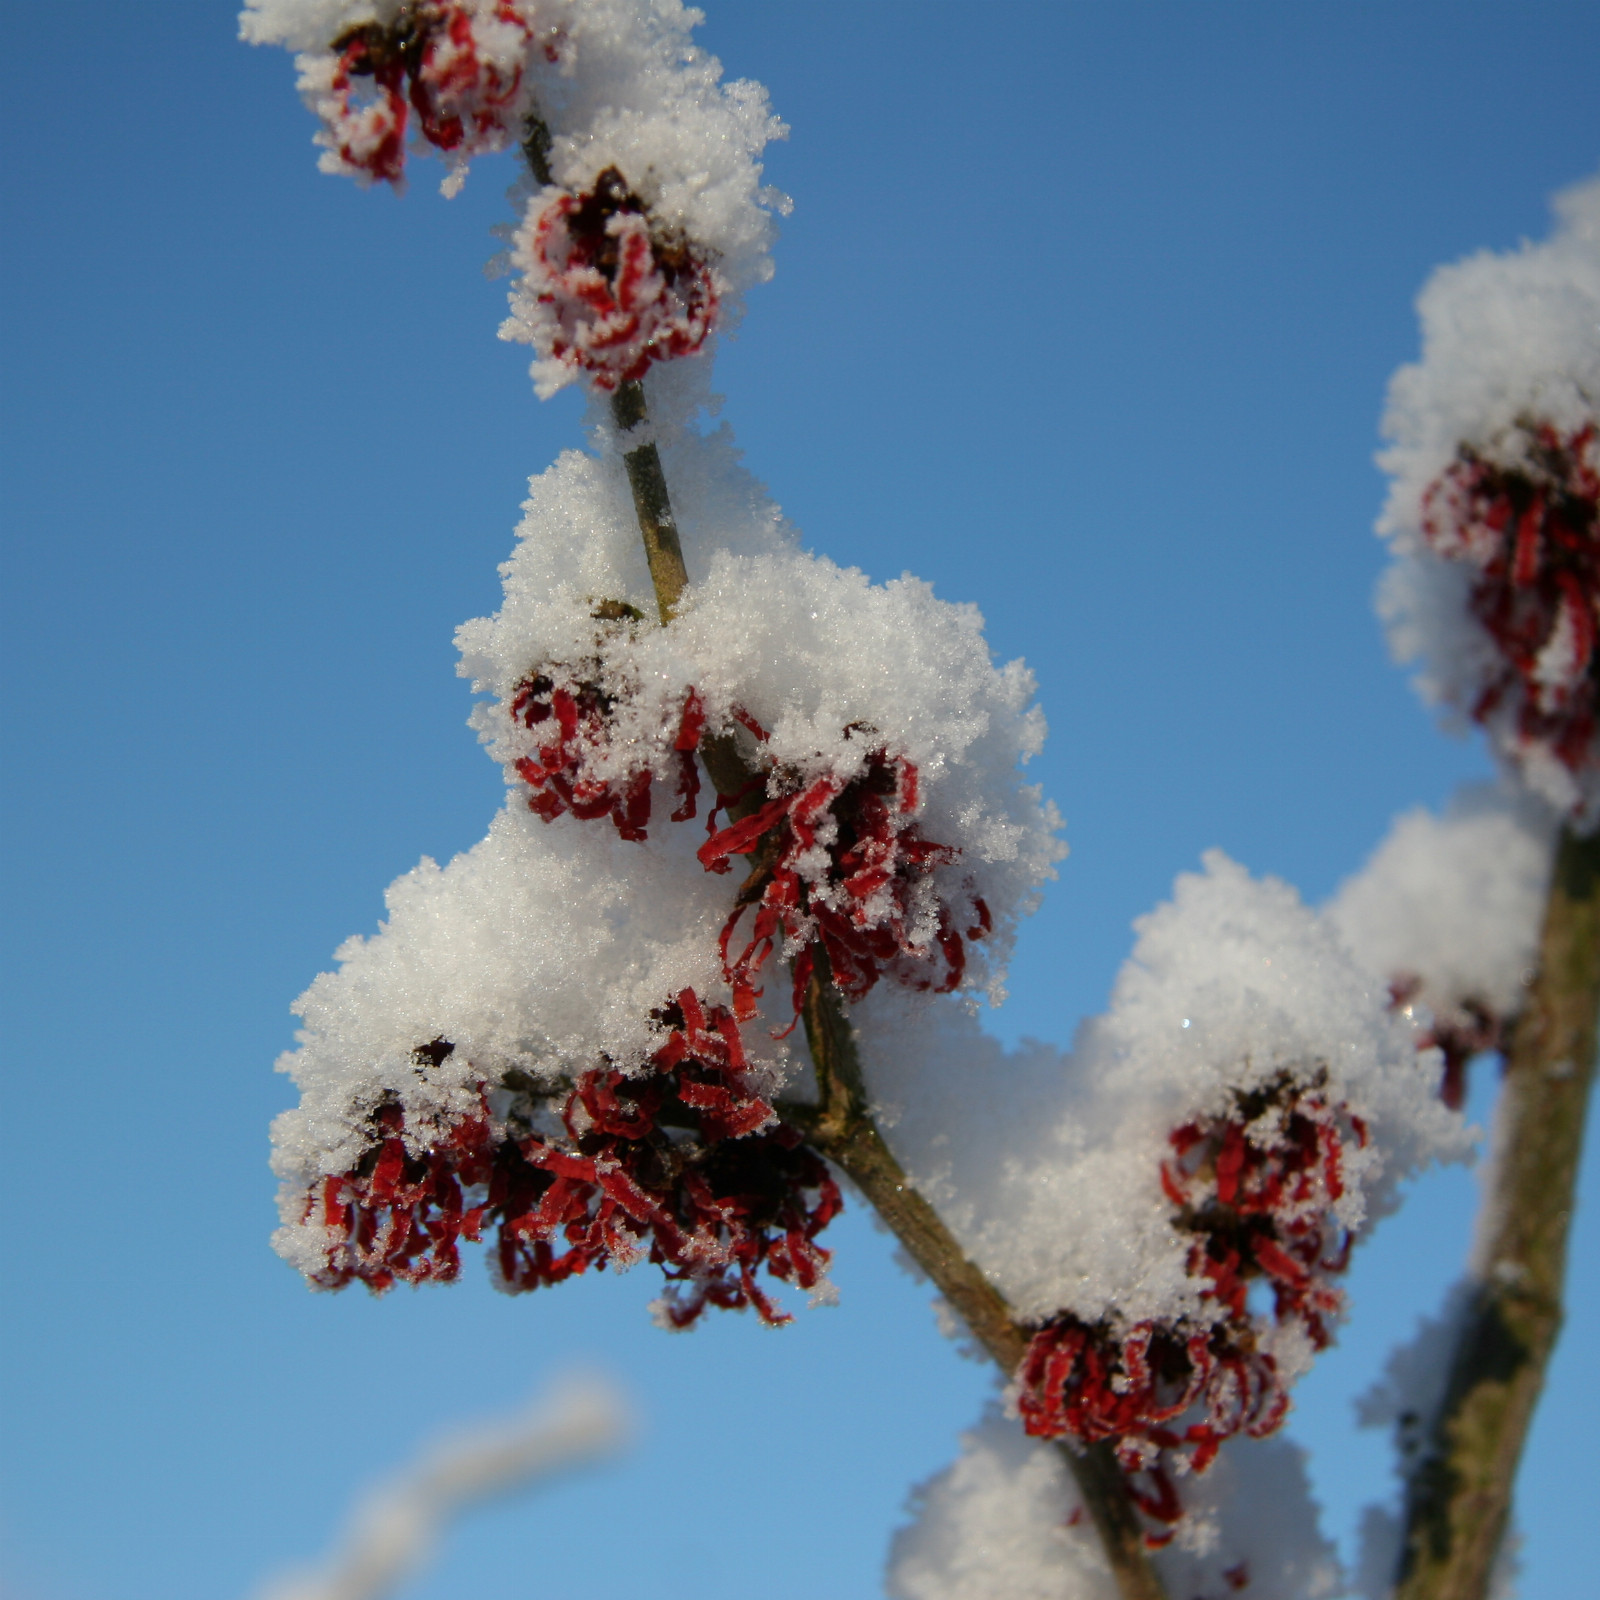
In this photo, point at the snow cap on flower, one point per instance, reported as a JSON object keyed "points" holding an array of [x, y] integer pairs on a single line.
{"points": [[1239, 1117], [825, 677], [539, 952], [1494, 500], [1006, 1520], [1047, 1165], [1447, 910], [522, 1048], [501, 1053]]}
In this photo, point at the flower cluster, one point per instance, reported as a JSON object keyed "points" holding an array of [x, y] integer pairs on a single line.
{"points": [[682, 1163], [1094, 1384], [841, 864], [837, 864], [647, 215], [458, 64], [1526, 520], [612, 290], [1254, 1190], [566, 769]]}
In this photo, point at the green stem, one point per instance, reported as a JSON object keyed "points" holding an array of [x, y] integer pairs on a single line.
{"points": [[1458, 1498]]}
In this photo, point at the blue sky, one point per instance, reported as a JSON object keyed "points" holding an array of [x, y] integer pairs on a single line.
{"points": [[1084, 314]]}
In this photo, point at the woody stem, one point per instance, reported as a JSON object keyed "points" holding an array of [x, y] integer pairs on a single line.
{"points": [[651, 503], [1458, 1499], [841, 1126], [843, 1130]]}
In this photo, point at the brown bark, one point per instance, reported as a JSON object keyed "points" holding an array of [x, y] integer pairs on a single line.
{"points": [[1458, 1499]]}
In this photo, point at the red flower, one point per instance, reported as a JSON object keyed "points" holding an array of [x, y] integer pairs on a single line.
{"points": [[575, 716], [1136, 1388], [1255, 1190], [617, 292], [429, 59], [842, 863], [682, 1163], [1532, 531]]}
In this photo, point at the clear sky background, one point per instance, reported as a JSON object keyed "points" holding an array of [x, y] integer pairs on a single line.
{"points": [[1084, 314]]}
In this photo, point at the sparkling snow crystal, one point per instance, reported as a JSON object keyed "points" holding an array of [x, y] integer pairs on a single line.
{"points": [[1494, 509]]}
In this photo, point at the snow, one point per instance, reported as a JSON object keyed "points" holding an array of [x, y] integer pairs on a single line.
{"points": [[1454, 901], [1508, 382], [545, 950], [1005, 1522], [1047, 1164]]}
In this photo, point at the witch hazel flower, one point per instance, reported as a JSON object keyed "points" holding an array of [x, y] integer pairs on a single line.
{"points": [[683, 1164], [1170, 1206], [1524, 516], [1494, 514], [837, 862], [1254, 1190], [607, 290], [646, 217], [841, 864], [460, 67], [885, 815], [565, 745]]}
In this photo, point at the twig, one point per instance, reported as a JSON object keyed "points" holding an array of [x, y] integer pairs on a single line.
{"points": [[841, 1127], [845, 1132], [1458, 1499], [650, 500]]}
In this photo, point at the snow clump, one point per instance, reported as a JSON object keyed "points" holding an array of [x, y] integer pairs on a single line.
{"points": [[1447, 913], [1170, 1205], [1493, 513], [572, 1032], [1006, 1522]]}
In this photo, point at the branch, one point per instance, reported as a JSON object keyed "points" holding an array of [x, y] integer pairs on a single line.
{"points": [[845, 1132], [841, 1127], [650, 501], [1458, 1500]]}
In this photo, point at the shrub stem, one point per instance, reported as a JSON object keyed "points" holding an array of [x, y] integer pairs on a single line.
{"points": [[841, 1126], [1458, 1499]]}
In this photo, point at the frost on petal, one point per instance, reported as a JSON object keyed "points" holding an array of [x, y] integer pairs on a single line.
{"points": [[1005, 1522], [683, 1162], [1494, 508], [460, 68], [606, 290], [1447, 913]]}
